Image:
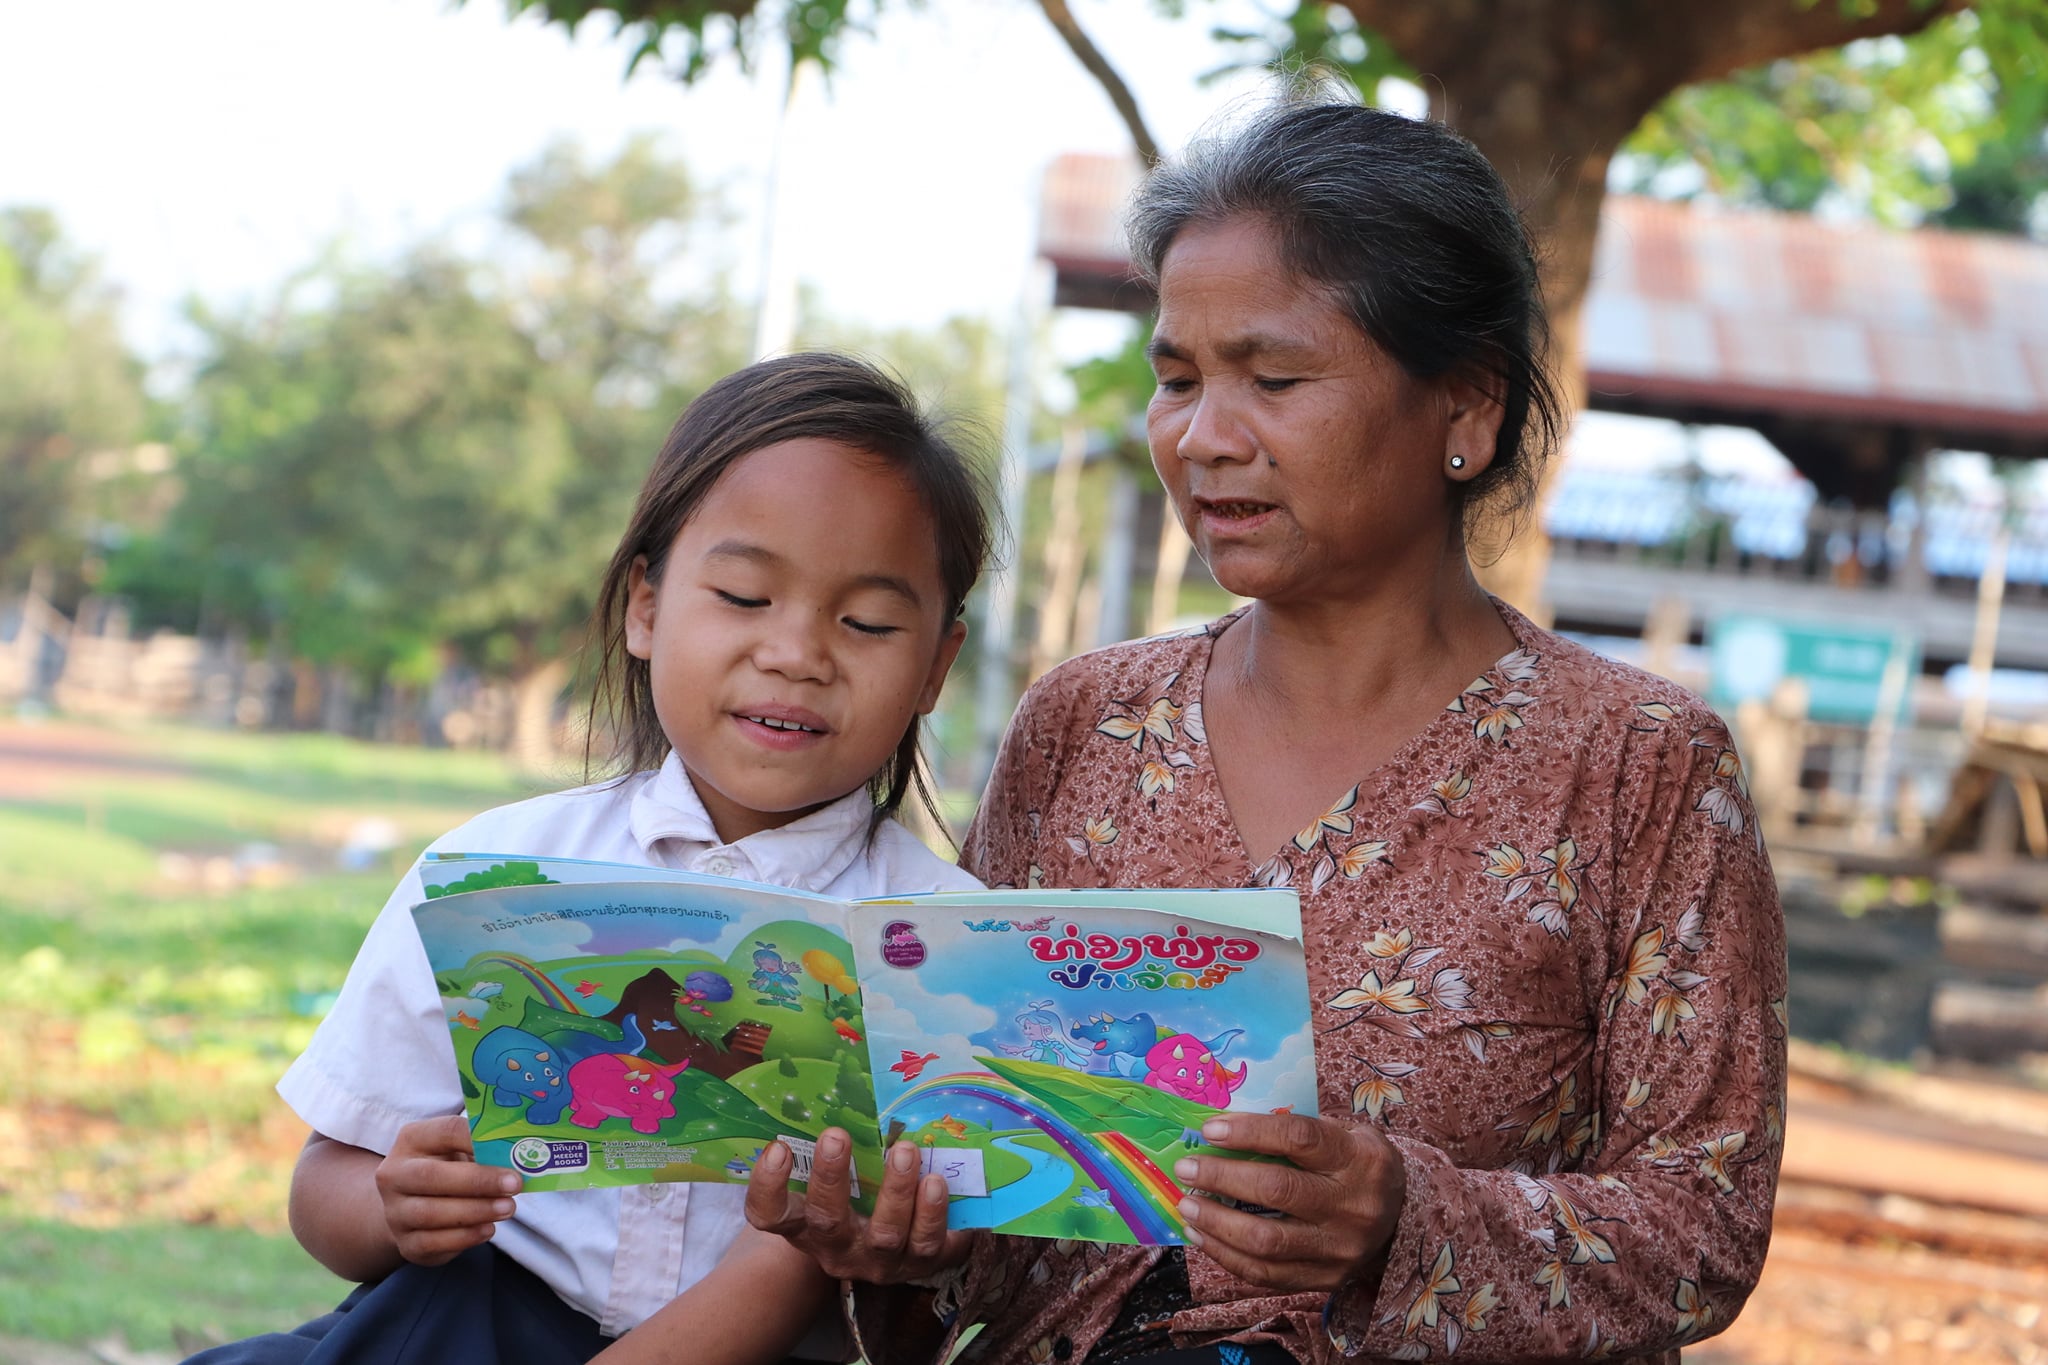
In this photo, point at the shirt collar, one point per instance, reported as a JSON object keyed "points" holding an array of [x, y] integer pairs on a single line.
{"points": [[807, 854]]}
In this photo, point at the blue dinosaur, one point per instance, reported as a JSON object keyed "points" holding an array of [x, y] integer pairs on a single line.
{"points": [[524, 1068]]}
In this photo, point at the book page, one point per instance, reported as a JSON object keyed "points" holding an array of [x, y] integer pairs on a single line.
{"points": [[613, 1032], [1054, 1059]]}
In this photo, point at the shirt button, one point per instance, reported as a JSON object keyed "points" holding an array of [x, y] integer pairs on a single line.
{"points": [[1062, 1349], [719, 865]]}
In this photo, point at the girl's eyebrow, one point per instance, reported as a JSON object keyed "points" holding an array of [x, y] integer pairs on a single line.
{"points": [[761, 554]]}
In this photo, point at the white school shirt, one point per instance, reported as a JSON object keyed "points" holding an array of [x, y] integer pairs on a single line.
{"points": [[382, 1057]]}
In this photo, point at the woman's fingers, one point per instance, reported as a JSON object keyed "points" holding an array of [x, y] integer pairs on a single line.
{"points": [[889, 1226], [770, 1205]]}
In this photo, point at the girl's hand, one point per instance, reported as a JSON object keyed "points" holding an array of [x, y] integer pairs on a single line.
{"points": [[1341, 1200], [437, 1201], [904, 1239]]}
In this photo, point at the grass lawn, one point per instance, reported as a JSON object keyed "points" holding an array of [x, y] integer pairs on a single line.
{"points": [[173, 919]]}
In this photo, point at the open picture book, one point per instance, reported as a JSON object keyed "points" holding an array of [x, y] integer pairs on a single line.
{"points": [[1051, 1053]]}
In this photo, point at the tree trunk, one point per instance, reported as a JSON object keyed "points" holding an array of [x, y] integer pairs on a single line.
{"points": [[1549, 89], [534, 693]]}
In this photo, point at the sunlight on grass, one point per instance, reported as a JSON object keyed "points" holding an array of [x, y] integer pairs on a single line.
{"points": [[151, 1003], [158, 1285]]}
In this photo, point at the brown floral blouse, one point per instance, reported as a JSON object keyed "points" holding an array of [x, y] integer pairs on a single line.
{"points": [[1547, 960]]}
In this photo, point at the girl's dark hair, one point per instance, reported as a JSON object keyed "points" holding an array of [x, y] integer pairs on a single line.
{"points": [[1414, 232], [811, 394]]}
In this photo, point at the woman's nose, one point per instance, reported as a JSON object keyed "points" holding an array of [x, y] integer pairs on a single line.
{"points": [[1213, 433]]}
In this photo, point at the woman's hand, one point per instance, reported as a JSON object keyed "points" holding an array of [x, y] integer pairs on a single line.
{"points": [[905, 1238], [1340, 1201]]}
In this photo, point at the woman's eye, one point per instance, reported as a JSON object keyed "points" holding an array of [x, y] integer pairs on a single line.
{"points": [[1277, 385], [1175, 385], [735, 600], [868, 628]]}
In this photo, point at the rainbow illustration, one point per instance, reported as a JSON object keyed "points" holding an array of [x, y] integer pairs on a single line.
{"points": [[1142, 1194], [533, 976]]}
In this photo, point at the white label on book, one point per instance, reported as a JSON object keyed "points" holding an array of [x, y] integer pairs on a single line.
{"points": [[960, 1165]]}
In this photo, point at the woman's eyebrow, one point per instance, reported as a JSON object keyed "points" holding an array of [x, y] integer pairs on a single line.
{"points": [[1267, 345], [751, 553]]}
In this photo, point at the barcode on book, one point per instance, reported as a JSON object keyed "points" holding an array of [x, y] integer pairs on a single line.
{"points": [[804, 1149]]}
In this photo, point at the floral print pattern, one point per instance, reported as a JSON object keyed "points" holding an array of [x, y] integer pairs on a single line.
{"points": [[1547, 963]]}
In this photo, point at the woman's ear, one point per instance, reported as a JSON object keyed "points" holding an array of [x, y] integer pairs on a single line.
{"points": [[642, 599], [1472, 425], [935, 681]]}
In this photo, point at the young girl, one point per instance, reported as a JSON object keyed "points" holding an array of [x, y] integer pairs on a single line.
{"points": [[775, 623]]}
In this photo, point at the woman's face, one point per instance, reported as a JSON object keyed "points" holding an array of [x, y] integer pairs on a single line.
{"points": [[1303, 461]]}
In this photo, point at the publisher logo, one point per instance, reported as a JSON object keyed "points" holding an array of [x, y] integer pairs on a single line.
{"points": [[536, 1156], [901, 947]]}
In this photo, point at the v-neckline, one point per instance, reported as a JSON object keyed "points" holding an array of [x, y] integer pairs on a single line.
{"points": [[1518, 626]]}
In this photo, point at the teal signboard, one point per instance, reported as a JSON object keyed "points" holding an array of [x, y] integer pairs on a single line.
{"points": [[1843, 667]]}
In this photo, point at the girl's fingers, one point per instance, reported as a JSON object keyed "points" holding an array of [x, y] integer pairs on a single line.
{"points": [[434, 1214], [440, 1177]]}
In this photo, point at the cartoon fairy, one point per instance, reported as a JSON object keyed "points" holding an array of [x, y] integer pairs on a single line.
{"points": [[774, 978], [1045, 1039]]}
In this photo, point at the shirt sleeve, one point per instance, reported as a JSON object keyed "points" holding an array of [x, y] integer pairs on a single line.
{"points": [[381, 1058], [1656, 1235]]}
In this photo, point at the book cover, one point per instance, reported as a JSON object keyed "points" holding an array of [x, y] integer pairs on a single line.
{"points": [[1052, 1053]]}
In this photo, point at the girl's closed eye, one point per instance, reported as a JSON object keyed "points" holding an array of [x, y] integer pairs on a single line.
{"points": [[871, 627], [733, 599]]}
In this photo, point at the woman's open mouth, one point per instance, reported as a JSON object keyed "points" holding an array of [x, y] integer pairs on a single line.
{"points": [[1232, 514]]}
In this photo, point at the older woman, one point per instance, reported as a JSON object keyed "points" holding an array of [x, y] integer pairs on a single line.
{"points": [[1543, 941]]}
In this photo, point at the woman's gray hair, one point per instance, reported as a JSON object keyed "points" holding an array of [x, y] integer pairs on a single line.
{"points": [[1411, 228]]}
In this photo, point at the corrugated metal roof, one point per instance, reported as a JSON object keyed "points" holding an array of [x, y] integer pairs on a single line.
{"points": [[1792, 314], [1740, 310]]}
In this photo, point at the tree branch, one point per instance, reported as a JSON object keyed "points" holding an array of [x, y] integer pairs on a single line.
{"points": [[1069, 28]]}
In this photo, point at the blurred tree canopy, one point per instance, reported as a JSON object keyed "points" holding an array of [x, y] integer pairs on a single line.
{"points": [[1779, 101], [69, 391], [394, 463]]}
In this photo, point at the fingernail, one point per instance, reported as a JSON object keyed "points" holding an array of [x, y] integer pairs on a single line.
{"points": [[502, 1208], [1190, 1209], [774, 1158], [933, 1190], [1191, 1237], [509, 1183], [1216, 1130], [833, 1145], [902, 1157], [1185, 1170]]}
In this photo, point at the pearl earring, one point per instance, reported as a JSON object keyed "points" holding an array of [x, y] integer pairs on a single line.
{"points": [[1457, 461]]}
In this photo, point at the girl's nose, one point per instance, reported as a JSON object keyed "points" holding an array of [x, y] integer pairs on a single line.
{"points": [[796, 647]]}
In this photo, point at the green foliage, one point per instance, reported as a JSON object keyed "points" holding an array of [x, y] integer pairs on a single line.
{"points": [[395, 464], [689, 36], [70, 396], [1946, 125], [793, 1109], [787, 1066], [1312, 35]]}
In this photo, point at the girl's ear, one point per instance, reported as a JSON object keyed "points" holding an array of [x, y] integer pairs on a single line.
{"points": [[935, 681], [641, 600]]}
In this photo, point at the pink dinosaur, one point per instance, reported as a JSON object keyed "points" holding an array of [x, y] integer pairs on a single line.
{"points": [[614, 1085], [1183, 1065]]}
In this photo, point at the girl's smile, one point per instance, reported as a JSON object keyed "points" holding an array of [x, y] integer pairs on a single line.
{"points": [[794, 632]]}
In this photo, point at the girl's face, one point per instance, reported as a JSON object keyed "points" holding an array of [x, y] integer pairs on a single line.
{"points": [[799, 627], [1036, 1030]]}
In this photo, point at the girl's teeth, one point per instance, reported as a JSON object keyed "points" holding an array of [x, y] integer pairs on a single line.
{"points": [[781, 724]]}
